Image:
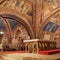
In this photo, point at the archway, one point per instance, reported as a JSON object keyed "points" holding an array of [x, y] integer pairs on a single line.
{"points": [[18, 17], [52, 21]]}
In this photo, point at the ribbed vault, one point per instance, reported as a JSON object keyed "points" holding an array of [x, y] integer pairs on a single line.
{"points": [[51, 22], [9, 14]]}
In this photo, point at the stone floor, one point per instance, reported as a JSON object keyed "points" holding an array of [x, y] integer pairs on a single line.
{"points": [[30, 56]]}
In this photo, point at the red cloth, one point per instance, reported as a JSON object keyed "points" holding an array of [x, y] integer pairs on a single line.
{"points": [[10, 52], [49, 51]]}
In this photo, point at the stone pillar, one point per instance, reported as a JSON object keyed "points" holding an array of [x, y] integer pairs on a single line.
{"points": [[34, 16], [37, 15]]}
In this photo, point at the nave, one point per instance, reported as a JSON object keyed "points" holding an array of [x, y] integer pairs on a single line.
{"points": [[30, 29]]}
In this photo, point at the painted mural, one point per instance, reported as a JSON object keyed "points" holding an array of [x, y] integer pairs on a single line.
{"points": [[50, 5], [23, 6], [53, 26]]}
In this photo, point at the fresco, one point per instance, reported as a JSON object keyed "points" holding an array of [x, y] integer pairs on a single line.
{"points": [[54, 23], [49, 5], [23, 6]]}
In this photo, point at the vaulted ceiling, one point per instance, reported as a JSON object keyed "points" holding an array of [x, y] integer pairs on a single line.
{"points": [[23, 6], [11, 23]]}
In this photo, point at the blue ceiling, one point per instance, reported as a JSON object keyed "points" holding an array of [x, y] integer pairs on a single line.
{"points": [[11, 22], [51, 27], [2, 25]]}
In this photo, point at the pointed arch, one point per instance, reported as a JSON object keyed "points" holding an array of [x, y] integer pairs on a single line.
{"points": [[46, 19], [19, 17]]}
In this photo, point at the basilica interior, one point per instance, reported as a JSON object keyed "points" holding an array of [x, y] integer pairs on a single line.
{"points": [[33, 25]]}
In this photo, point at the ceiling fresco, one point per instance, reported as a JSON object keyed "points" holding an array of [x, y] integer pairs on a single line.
{"points": [[23, 6], [50, 5], [53, 23], [51, 27]]}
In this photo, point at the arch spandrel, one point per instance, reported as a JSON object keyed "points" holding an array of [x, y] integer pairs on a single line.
{"points": [[22, 6], [53, 17], [49, 6], [52, 14]]}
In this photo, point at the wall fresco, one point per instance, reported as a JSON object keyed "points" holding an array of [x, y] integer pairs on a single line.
{"points": [[49, 5]]}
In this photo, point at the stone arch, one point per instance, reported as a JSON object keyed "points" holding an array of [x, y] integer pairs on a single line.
{"points": [[21, 32], [19, 17], [50, 14], [7, 26], [46, 19]]}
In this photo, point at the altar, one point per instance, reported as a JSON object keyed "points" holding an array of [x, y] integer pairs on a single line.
{"points": [[36, 45]]}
